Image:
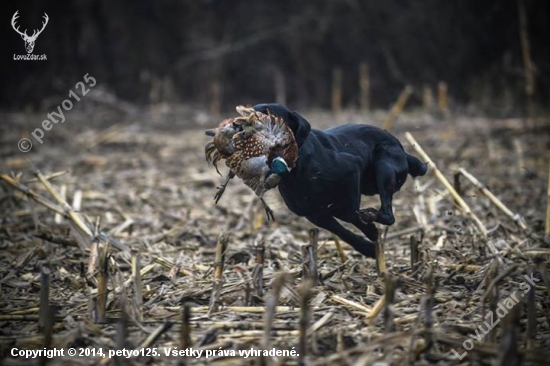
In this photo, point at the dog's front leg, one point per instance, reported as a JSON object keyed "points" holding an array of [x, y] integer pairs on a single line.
{"points": [[329, 223]]}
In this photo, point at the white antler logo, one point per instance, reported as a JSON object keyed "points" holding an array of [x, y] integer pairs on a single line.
{"points": [[29, 41]]}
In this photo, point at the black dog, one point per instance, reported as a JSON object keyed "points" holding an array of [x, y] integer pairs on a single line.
{"points": [[335, 167]]}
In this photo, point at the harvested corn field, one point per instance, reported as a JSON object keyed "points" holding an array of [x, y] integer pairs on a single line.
{"points": [[111, 241]]}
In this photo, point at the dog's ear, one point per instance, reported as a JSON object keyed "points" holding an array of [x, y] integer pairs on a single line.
{"points": [[298, 124], [301, 129]]}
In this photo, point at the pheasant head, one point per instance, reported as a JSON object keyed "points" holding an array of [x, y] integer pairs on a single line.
{"points": [[222, 145]]}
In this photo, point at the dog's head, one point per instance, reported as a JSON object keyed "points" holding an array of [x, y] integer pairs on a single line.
{"points": [[298, 124]]}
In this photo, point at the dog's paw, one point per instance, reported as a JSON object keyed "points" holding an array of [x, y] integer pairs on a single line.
{"points": [[368, 214]]}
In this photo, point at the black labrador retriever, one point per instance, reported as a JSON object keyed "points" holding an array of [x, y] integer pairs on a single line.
{"points": [[335, 167]]}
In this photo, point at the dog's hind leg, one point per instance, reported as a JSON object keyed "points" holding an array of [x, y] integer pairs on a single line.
{"points": [[386, 189], [329, 223], [391, 169], [391, 172]]}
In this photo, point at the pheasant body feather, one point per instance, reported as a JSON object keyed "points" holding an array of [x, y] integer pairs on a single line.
{"points": [[252, 144], [249, 144]]}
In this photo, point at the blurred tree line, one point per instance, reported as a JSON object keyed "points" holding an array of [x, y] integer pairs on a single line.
{"points": [[249, 51]]}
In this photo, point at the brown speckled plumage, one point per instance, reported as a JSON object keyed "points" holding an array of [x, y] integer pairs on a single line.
{"points": [[249, 143], [253, 134]]}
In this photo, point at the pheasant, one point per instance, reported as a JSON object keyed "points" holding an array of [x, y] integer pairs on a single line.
{"points": [[257, 148]]}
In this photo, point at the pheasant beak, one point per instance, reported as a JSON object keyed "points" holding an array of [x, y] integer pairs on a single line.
{"points": [[210, 132]]}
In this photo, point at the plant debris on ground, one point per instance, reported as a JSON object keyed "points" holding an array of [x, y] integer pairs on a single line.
{"points": [[110, 239]]}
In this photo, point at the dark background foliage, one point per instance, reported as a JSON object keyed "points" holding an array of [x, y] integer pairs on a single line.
{"points": [[148, 51]]}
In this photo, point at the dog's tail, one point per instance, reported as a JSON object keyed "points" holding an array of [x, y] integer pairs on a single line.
{"points": [[416, 167]]}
